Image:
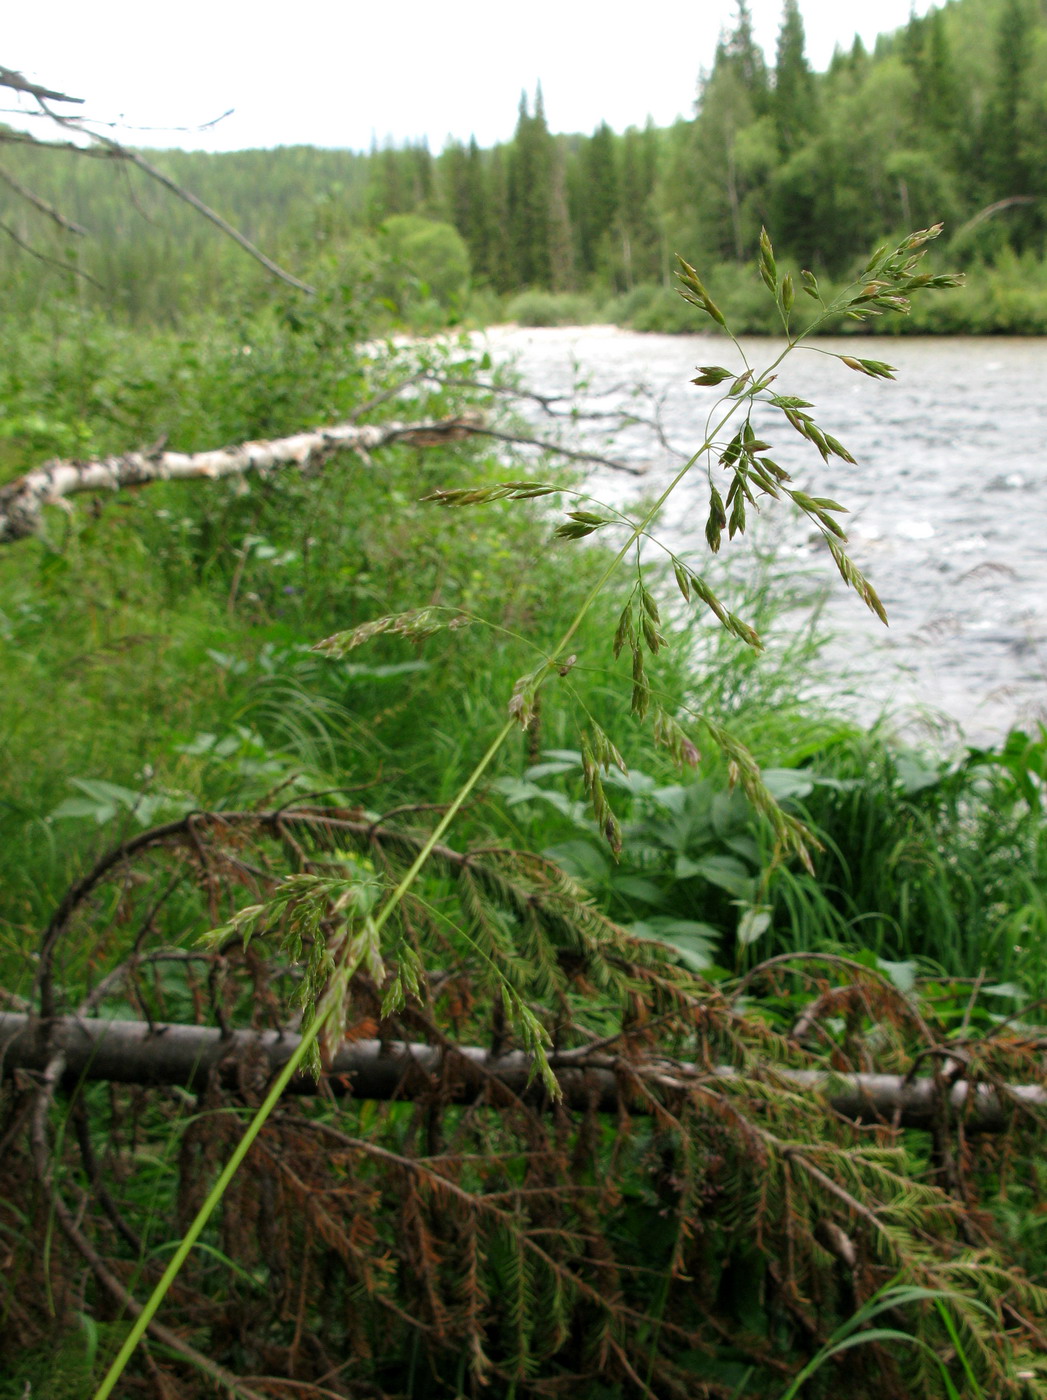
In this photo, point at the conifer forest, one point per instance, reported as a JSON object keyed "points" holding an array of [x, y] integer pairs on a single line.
{"points": [[457, 939]]}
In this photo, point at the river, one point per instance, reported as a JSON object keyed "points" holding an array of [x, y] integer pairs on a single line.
{"points": [[948, 501]]}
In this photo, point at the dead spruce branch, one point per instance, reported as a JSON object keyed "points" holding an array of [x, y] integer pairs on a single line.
{"points": [[429, 1183]]}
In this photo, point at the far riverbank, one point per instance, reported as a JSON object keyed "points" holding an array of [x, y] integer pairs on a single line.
{"points": [[1008, 299]]}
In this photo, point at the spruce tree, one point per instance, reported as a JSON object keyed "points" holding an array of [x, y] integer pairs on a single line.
{"points": [[500, 263], [479, 233], [636, 224], [744, 55], [794, 106], [454, 186], [596, 195], [561, 243], [732, 100], [529, 196], [1005, 166], [795, 98]]}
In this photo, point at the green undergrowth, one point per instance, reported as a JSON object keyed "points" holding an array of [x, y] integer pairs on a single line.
{"points": [[76, 382], [158, 653], [168, 635], [162, 639]]}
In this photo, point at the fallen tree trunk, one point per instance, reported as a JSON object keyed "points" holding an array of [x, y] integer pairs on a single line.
{"points": [[22, 501], [135, 1052]]}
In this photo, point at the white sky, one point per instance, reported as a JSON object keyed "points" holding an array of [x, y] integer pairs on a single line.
{"points": [[342, 74]]}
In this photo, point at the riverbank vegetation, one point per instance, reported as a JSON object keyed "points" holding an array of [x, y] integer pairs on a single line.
{"points": [[688, 1218], [944, 120]]}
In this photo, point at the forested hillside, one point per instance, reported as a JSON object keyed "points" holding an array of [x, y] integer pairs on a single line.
{"points": [[945, 121]]}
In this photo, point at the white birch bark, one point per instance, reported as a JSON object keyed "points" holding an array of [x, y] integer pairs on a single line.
{"points": [[22, 500]]}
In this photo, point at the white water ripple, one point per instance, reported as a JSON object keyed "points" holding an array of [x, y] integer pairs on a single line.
{"points": [[948, 501]]}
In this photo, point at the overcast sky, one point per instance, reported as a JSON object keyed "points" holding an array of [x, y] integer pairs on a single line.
{"points": [[346, 74]]}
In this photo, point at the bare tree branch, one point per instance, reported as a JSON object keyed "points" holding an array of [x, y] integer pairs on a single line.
{"points": [[18, 83], [34, 199], [21, 501], [122, 152], [1013, 201], [9, 137], [43, 1160], [116, 150], [572, 454], [50, 262]]}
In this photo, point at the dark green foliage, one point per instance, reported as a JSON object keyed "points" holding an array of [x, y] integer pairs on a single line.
{"points": [[794, 103], [529, 195], [720, 1232], [595, 201]]}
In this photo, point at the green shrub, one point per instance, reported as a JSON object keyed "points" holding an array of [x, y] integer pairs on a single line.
{"points": [[538, 308]]}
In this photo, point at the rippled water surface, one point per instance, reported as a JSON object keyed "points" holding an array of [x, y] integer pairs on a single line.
{"points": [[948, 500]]}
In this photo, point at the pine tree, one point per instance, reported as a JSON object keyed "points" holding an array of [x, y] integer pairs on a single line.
{"points": [[420, 182], [480, 233], [941, 90], [465, 202], [500, 261], [742, 53], [798, 184], [561, 241], [454, 186], [388, 191]]}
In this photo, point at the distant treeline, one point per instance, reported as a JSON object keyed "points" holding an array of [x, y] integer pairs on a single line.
{"points": [[945, 121]]}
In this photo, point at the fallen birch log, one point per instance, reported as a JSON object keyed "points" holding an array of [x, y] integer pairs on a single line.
{"points": [[22, 501], [135, 1052]]}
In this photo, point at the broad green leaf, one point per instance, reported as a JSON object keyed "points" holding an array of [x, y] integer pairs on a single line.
{"points": [[516, 790], [582, 860], [726, 872], [913, 773], [549, 770], [107, 792], [639, 784], [753, 923], [84, 807], [695, 943], [635, 887], [788, 782], [901, 974], [745, 847]]}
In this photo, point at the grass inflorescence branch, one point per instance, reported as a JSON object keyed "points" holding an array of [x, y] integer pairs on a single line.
{"points": [[347, 918]]}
